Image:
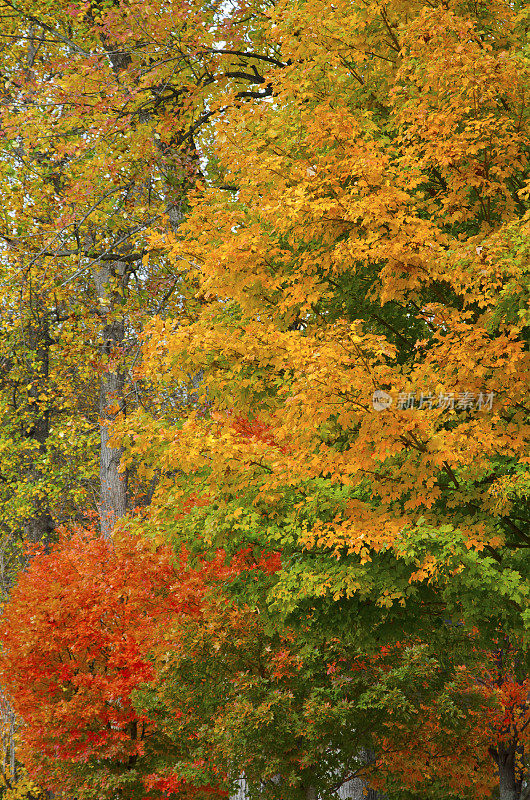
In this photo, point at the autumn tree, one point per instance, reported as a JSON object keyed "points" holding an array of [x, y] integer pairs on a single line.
{"points": [[101, 108], [100, 610], [280, 708], [363, 302]]}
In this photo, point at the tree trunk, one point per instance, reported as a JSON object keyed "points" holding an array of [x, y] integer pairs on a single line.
{"points": [[509, 785], [113, 497]]}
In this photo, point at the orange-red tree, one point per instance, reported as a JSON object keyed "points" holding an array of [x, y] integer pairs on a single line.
{"points": [[79, 635]]}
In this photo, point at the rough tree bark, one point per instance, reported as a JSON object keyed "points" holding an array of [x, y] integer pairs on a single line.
{"points": [[113, 482], [509, 784]]}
